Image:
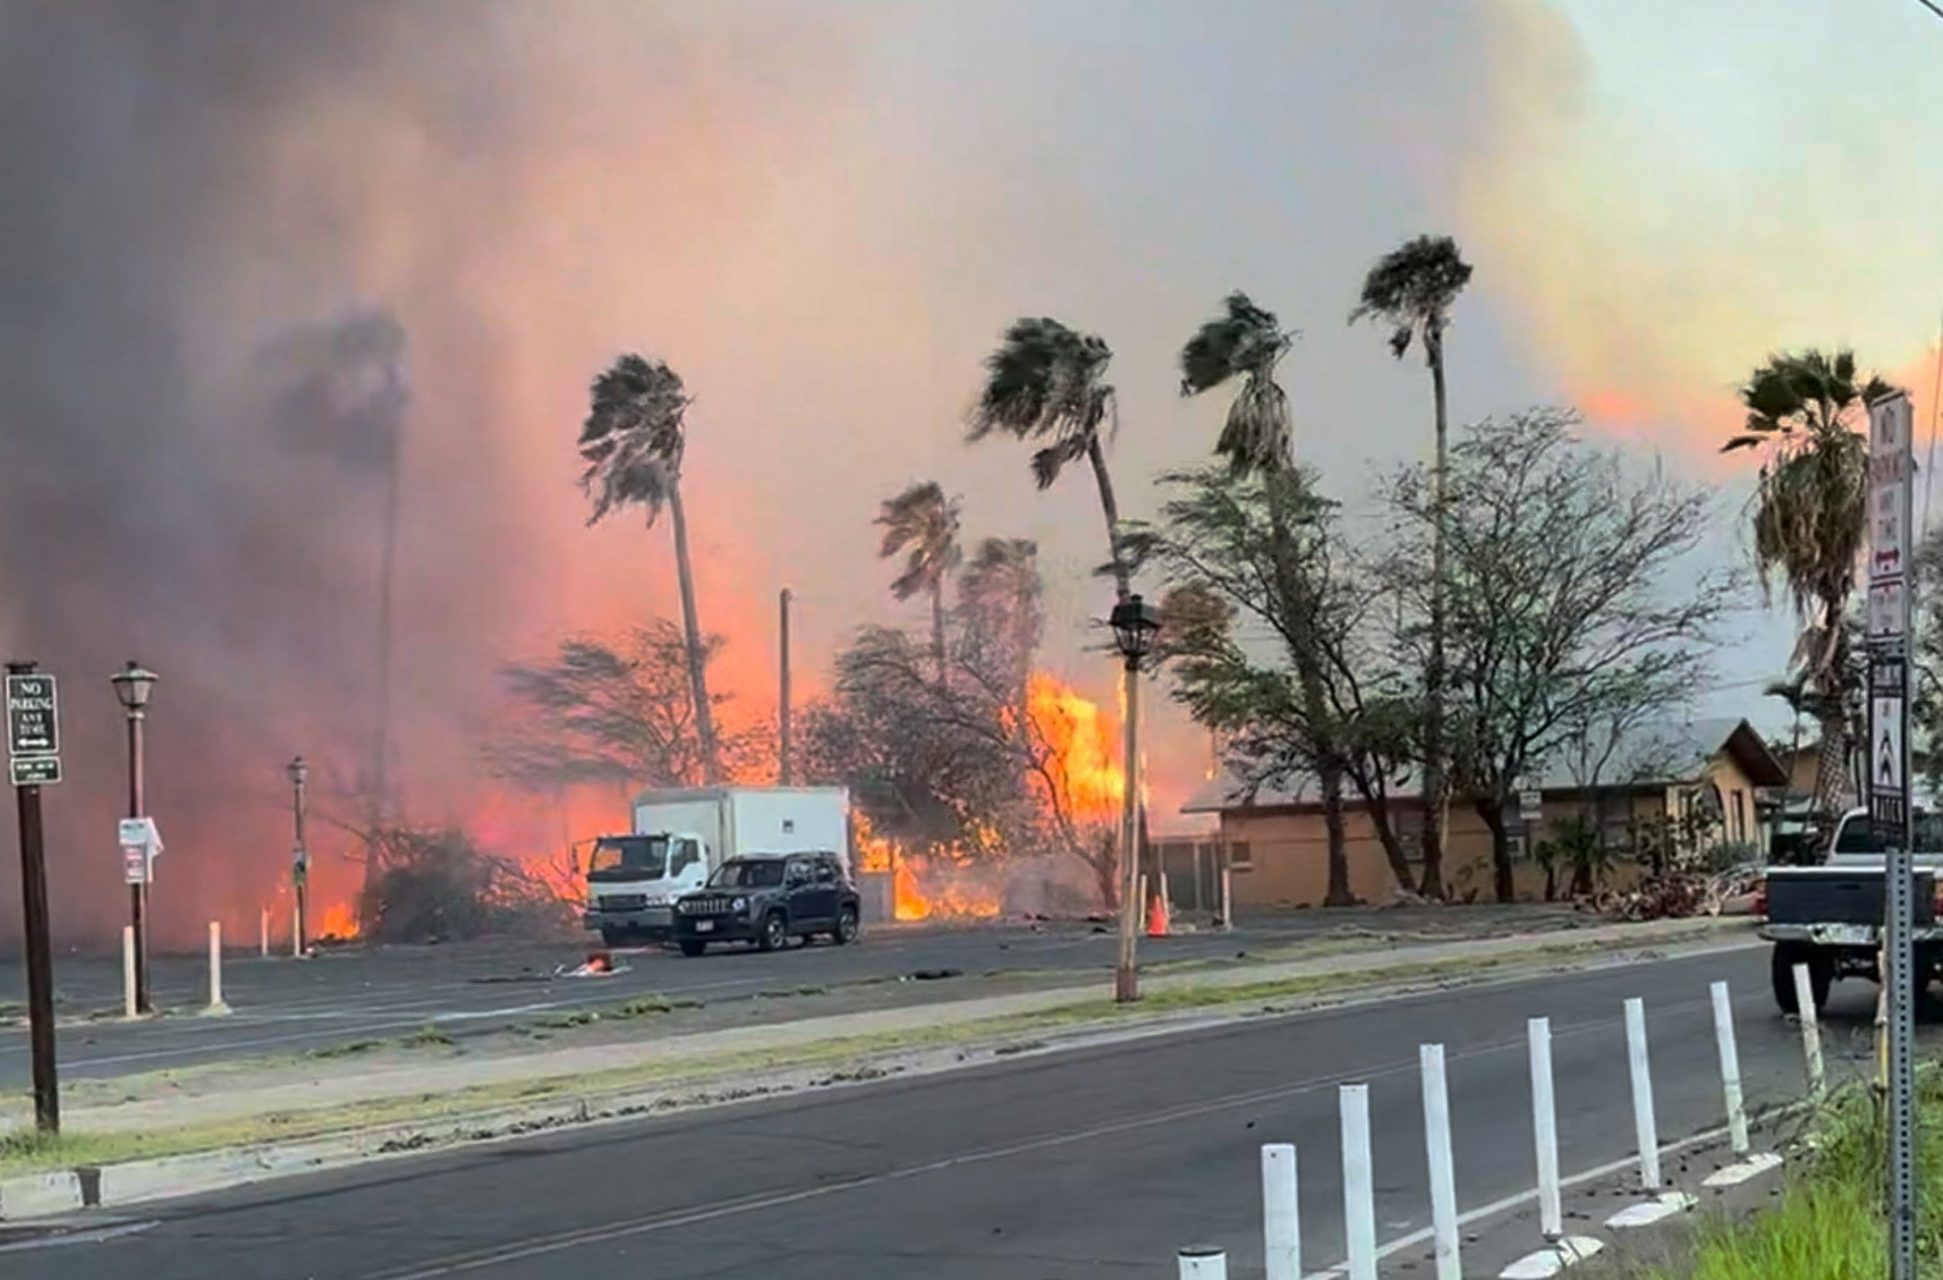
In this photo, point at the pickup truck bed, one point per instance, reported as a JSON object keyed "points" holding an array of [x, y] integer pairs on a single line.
{"points": [[1830, 918]]}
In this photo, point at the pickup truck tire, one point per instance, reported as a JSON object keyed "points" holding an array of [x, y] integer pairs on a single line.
{"points": [[1821, 975], [775, 932], [846, 930]]}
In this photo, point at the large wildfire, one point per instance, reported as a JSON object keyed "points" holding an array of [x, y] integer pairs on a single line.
{"points": [[967, 879]]}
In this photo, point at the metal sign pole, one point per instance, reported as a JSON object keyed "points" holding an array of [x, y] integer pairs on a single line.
{"points": [[1891, 466], [25, 700]]}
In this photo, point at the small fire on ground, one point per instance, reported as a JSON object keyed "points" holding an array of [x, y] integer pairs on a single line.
{"points": [[339, 922], [939, 883]]}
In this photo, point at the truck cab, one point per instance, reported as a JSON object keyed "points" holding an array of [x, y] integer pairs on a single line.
{"points": [[633, 881]]}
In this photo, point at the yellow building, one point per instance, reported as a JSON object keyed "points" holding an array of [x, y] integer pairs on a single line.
{"points": [[1689, 787]]}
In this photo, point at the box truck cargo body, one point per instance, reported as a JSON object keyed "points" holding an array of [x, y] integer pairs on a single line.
{"points": [[679, 837]]}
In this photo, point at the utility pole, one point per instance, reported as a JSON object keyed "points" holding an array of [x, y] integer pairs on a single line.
{"points": [[25, 692], [299, 772], [784, 774]]}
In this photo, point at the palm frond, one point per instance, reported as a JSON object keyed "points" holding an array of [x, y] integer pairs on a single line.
{"points": [[924, 520], [1412, 287], [633, 437]]}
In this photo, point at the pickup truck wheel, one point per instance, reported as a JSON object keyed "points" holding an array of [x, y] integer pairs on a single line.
{"points": [[775, 932], [693, 946], [1821, 975], [846, 930]]}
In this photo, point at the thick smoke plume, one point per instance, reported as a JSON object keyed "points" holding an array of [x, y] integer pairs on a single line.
{"points": [[230, 231]]}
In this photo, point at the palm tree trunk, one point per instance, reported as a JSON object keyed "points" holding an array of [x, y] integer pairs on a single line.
{"points": [[1122, 580], [1832, 764], [380, 796], [1436, 786], [692, 642], [938, 627]]}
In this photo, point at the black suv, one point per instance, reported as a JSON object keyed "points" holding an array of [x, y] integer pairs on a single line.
{"points": [[767, 899]]}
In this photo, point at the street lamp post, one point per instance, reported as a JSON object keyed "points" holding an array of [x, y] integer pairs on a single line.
{"points": [[1135, 624], [133, 684], [299, 772]]}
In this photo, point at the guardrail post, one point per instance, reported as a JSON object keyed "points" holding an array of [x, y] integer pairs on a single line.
{"points": [[1281, 1215], [1639, 1067], [1544, 1128], [1811, 1032], [1203, 1262], [1359, 1185], [1730, 1068], [1437, 1149]]}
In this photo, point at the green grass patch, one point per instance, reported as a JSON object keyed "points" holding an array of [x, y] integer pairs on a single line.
{"points": [[349, 1049], [1830, 1221], [428, 1038]]}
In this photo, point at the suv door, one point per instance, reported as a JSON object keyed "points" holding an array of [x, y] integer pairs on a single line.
{"points": [[802, 892], [829, 888]]}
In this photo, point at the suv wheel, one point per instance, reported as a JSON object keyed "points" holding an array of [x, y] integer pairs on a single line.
{"points": [[693, 946], [775, 932], [846, 930]]}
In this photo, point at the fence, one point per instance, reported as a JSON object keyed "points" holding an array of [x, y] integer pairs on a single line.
{"points": [[1555, 1249]]}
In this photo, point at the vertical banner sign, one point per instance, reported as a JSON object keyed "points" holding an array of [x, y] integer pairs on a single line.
{"points": [[1891, 466]]}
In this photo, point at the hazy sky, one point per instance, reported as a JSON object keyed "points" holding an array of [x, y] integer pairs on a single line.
{"points": [[823, 214]]}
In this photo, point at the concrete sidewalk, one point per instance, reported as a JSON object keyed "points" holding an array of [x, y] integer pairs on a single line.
{"points": [[292, 1087]]}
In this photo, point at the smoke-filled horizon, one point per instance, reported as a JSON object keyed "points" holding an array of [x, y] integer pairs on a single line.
{"points": [[256, 253]]}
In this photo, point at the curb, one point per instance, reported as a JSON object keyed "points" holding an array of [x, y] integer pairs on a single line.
{"points": [[39, 1195]]}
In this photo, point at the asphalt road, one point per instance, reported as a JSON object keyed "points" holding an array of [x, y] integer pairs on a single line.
{"points": [[283, 1005], [1093, 1163]]}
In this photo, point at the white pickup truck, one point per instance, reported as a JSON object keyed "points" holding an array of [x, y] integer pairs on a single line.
{"points": [[1829, 917], [679, 837]]}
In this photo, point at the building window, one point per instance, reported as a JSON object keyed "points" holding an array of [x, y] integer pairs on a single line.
{"points": [[1515, 846], [1240, 856], [1740, 815]]}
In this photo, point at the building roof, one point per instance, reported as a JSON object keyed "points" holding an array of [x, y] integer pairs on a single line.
{"points": [[1664, 755]]}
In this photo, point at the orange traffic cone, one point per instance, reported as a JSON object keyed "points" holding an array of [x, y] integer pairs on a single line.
{"points": [[1157, 916]]}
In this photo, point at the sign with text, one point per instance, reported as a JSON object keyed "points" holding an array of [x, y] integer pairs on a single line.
{"points": [[34, 771], [33, 722], [1890, 467]]}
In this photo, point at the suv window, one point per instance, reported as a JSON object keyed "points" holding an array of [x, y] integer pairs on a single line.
{"points": [[799, 871], [754, 873]]}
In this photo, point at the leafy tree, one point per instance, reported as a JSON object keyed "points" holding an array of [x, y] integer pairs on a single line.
{"points": [[1047, 383], [1810, 510], [1257, 572], [621, 714], [1001, 613], [633, 441], [1411, 289], [1562, 610], [436, 885], [922, 525], [1242, 346]]}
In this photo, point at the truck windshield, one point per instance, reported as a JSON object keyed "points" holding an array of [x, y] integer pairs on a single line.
{"points": [[764, 874], [628, 858], [1859, 835]]}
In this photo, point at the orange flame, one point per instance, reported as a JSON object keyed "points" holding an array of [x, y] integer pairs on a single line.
{"points": [[339, 922], [1086, 775]]}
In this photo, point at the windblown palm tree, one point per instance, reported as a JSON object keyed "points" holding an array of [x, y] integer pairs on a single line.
{"points": [[632, 443], [922, 525], [1810, 513], [1243, 345], [1002, 610], [1411, 289], [1047, 383]]}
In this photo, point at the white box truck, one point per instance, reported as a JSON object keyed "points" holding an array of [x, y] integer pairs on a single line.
{"points": [[679, 837]]}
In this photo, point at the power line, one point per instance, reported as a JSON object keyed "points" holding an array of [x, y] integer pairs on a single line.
{"points": [[1932, 6]]}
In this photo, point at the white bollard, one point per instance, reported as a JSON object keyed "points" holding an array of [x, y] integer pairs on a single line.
{"points": [[296, 930], [1811, 1032], [1544, 1128], [1645, 1127], [1730, 1068], [216, 1004], [1359, 1184], [1437, 1149], [1281, 1218], [1203, 1262], [263, 932], [128, 970]]}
